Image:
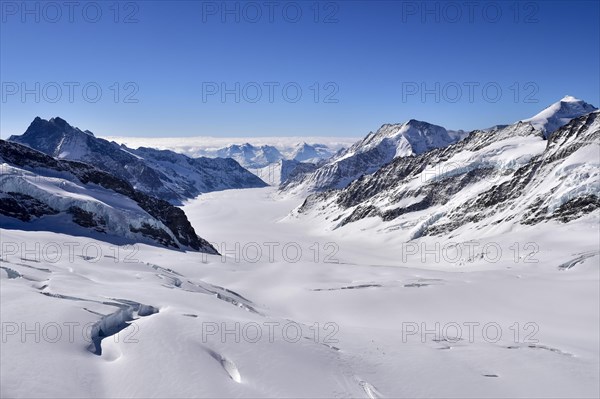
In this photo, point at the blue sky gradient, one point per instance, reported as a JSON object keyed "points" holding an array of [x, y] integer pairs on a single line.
{"points": [[161, 66]]}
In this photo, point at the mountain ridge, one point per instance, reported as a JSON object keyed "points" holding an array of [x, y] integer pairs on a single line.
{"points": [[411, 138], [502, 178], [173, 177], [35, 185]]}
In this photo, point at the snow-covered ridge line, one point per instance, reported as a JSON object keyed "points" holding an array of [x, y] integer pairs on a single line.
{"points": [[165, 174], [366, 156], [187, 145], [251, 153], [489, 181], [392, 141], [37, 186]]}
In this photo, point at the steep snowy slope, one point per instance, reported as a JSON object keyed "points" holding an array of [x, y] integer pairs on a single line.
{"points": [[39, 192], [559, 114], [165, 174], [371, 153], [490, 180]]}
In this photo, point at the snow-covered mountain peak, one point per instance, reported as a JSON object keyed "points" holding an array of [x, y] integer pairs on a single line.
{"points": [[569, 98], [55, 137], [304, 152], [559, 114], [165, 174], [40, 192], [406, 138], [506, 177], [366, 156]]}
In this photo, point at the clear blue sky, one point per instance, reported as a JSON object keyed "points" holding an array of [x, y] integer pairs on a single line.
{"points": [[373, 57]]}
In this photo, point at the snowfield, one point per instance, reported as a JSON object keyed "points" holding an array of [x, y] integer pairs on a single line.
{"points": [[295, 309]]}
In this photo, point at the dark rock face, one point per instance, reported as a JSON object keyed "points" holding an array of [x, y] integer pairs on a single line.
{"points": [[87, 219], [172, 217], [163, 174], [154, 233], [576, 208], [293, 170], [23, 207], [505, 192]]}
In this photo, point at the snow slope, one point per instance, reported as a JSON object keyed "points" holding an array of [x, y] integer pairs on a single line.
{"points": [[469, 270]]}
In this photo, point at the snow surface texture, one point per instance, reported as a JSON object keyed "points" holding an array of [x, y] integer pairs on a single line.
{"points": [[372, 299]]}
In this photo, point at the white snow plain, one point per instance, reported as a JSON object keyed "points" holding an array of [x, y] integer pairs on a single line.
{"points": [[293, 309]]}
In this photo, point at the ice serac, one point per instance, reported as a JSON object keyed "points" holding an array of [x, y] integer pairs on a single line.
{"points": [[165, 174], [74, 197], [559, 114], [503, 177], [366, 156]]}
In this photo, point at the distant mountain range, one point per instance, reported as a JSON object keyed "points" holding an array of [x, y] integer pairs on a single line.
{"points": [[162, 173]]}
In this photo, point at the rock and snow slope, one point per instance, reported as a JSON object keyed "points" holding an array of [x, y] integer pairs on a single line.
{"points": [[284, 170], [39, 192], [371, 153], [490, 180], [413, 138], [165, 174]]}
